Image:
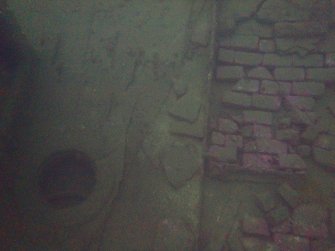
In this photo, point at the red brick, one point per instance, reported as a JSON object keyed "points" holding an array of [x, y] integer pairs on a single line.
{"points": [[321, 74], [272, 59], [217, 138], [229, 72], [258, 162], [289, 73], [236, 99], [267, 45], [269, 87], [255, 225], [266, 102], [315, 60], [300, 103], [257, 131], [308, 88], [299, 29], [218, 153], [227, 125], [257, 117], [246, 85], [240, 42], [260, 73], [264, 145], [233, 140], [292, 161]]}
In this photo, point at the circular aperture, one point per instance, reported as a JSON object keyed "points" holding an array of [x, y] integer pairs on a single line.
{"points": [[66, 179]]}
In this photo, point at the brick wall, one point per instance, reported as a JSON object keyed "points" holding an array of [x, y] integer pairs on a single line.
{"points": [[275, 74]]}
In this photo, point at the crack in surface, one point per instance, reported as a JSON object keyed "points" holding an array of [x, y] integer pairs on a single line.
{"points": [[137, 63], [122, 180]]}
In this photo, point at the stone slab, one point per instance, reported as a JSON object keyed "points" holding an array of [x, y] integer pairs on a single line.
{"points": [[308, 88], [248, 42], [229, 73], [217, 138], [313, 60], [248, 58], [300, 103], [256, 244], [289, 73], [233, 140], [275, 87], [302, 46], [321, 74], [238, 11], [276, 10], [239, 57], [290, 195], [225, 154], [170, 233], [236, 99], [257, 117], [266, 201], [288, 134], [247, 85], [201, 28], [327, 45], [302, 117], [184, 128], [257, 131], [180, 162], [299, 29], [180, 87], [186, 108], [255, 226], [283, 228], [260, 73], [304, 150], [292, 161], [272, 59], [283, 122], [278, 215], [266, 102], [258, 162], [254, 28], [267, 45], [264, 145], [226, 56], [227, 125]]}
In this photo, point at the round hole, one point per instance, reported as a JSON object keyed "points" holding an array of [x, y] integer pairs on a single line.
{"points": [[66, 179]]}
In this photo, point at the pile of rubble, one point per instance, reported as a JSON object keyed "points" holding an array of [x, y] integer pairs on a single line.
{"points": [[288, 223]]}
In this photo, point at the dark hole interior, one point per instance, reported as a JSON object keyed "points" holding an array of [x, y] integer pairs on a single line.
{"points": [[66, 179], [10, 49]]}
